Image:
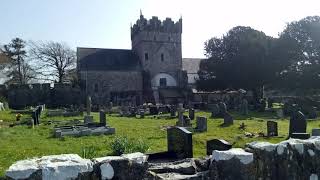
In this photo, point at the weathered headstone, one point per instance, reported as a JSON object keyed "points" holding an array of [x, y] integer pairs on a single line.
{"points": [[280, 113], [180, 115], [88, 118], [298, 123], [244, 107], [103, 119], [154, 110], [201, 124], [227, 119], [315, 132], [172, 112], [222, 108], [141, 113], [191, 113], [215, 111], [217, 144], [180, 142], [272, 128]]}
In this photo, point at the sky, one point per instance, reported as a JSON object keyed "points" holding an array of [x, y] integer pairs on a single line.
{"points": [[106, 23]]}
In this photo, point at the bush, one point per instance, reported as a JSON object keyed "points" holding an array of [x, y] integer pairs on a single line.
{"points": [[88, 152], [122, 145]]}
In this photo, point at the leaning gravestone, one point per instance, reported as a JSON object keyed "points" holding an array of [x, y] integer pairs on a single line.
{"points": [[217, 144], [298, 123], [180, 142], [201, 124], [272, 128], [227, 119], [191, 113]]}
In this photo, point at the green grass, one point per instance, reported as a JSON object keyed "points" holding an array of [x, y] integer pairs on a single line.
{"points": [[22, 142]]}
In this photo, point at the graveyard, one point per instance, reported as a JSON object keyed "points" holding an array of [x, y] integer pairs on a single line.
{"points": [[23, 142]]}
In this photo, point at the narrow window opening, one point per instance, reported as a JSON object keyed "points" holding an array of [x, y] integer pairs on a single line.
{"points": [[162, 57], [146, 56]]}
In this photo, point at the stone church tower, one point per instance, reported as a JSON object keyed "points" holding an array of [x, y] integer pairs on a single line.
{"points": [[158, 45]]}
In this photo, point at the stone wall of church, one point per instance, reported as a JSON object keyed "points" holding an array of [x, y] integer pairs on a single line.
{"points": [[101, 84]]}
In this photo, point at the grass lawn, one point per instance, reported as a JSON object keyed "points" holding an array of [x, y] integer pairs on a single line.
{"points": [[22, 142]]}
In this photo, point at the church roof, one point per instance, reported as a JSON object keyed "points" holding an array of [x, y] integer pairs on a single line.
{"points": [[107, 59]]}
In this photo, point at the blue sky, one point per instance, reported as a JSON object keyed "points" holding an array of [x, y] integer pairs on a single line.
{"points": [[106, 23]]}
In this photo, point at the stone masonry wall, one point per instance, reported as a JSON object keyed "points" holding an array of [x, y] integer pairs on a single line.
{"points": [[291, 159]]}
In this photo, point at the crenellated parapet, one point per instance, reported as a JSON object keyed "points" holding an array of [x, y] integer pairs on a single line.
{"points": [[156, 25]]}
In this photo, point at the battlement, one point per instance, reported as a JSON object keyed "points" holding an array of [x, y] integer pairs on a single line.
{"points": [[156, 25]]}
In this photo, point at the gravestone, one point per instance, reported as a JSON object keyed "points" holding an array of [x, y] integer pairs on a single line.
{"points": [[280, 113], [272, 128], [222, 108], [154, 110], [215, 111], [217, 144], [172, 112], [298, 123], [141, 113], [191, 113], [103, 119], [315, 132], [180, 115], [244, 107], [179, 142], [227, 119], [88, 118], [201, 124], [35, 117]]}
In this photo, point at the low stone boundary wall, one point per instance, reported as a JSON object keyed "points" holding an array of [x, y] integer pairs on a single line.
{"points": [[291, 159]]}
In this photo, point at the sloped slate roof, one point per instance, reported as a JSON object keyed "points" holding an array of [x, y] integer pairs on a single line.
{"points": [[191, 65], [107, 59]]}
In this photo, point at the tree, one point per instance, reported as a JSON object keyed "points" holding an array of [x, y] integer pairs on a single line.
{"points": [[54, 59], [300, 50], [240, 59], [16, 64]]}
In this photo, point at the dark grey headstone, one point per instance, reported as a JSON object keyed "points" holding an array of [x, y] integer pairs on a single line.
{"points": [[298, 123], [227, 119], [180, 142], [315, 132], [272, 128], [103, 119], [154, 110], [222, 108], [201, 124], [191, 113], [217, 144], [215, 110]]}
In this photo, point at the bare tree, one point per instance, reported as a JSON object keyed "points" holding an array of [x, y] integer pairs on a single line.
{"points": [[54, 59]]}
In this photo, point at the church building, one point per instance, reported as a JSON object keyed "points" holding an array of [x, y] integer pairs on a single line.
{"points": [[152, 71]]}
